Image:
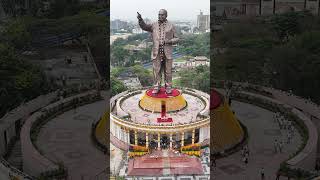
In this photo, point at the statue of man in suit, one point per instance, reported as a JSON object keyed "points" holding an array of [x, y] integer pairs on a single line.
{"points": [[163, 36]]}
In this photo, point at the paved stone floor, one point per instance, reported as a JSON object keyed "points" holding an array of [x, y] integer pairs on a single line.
{"points": [[184, 116], [263, 130], [66, 139]]}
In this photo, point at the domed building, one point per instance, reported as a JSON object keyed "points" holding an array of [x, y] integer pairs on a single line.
{"points": [[160, 121]]}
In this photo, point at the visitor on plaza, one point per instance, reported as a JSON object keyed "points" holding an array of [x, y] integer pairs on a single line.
{"points": [[280, 147], [275, 145], [262, 173]]}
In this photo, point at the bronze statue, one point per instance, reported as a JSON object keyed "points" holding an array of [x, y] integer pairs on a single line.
{"points": [[163, 36]]}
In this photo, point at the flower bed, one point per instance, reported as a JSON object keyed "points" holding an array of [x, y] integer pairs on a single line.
{"points": [[134, 154], [137, 151], [192, 153], [192, 150]]}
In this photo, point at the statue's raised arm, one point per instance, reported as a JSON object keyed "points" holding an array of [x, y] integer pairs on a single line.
{"points": [[143, 25]]}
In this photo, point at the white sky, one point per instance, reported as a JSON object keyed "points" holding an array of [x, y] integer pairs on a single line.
{"points": [[177, 9]]}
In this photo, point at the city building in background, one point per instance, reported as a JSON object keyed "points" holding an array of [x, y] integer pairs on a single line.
{"points": [[203, 22], [238, 8]]}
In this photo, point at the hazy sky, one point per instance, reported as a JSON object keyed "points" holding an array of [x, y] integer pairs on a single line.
{"points": [[177, 9]]}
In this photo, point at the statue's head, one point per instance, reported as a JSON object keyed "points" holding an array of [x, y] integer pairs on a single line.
{"points": [[162, 15]]}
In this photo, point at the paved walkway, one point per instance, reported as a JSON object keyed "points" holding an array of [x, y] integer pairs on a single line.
{"points": [[263, 130], [67, 139]]}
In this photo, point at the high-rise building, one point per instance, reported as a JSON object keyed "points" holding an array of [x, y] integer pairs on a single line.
{"points": [[118, 24], [203, 22]]}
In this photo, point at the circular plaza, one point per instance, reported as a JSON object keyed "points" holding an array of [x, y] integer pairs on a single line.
{"points": [[136, 119]]}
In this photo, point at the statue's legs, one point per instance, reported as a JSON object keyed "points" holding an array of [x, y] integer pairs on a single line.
{"points": [[168, 72], [168, 75], [156, 74]]}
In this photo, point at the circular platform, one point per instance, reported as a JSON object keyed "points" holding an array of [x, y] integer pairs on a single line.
{"points": [[153, 102]]}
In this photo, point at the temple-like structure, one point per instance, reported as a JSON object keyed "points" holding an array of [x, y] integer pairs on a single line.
{"points": [[160, 121]]}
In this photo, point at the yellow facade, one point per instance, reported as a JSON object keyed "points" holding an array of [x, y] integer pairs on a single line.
{"points": [[101, 129], [227, 130], [154, 104]]}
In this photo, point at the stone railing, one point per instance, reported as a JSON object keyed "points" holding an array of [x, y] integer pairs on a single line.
{"points": [[12, 172], [117, 100], [306, 158], [160, 128], [205, 98], [19, 115], [34, 162]]}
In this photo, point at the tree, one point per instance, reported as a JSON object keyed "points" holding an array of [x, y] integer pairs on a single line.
{"points": [[117, 86], [197, 78], [19, 80], [61, 8], [287, 24], [16, 34]]}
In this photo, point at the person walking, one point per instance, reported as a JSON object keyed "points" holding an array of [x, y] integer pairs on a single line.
{"points": [[275, 144], [280, 146], [262, 173]]}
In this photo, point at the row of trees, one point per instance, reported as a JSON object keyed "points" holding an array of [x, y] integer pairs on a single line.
{"points": [[280, 51], [197, 78], [49, 9], [195, 44], [120, 56], [21, 80], [144, 76]]}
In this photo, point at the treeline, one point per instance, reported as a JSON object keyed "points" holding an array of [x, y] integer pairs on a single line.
{"points": [[197, 78], [144, 76], [282, 51], [195, 44], [21, 81], [120, 56]]}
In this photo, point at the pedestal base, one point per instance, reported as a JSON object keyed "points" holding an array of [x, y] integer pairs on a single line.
{"points": [[153, 102], [164, 120]]}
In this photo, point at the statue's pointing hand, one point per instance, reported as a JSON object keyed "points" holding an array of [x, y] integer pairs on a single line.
{"points": [[139, 16]]}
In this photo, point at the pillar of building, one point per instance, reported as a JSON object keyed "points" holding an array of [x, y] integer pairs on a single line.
{"points": [[121, 133], [158, 140], [147, 140], [182, 139], [193, 135], [135, 138], [170, 141], [116, 132], [128, 131]]}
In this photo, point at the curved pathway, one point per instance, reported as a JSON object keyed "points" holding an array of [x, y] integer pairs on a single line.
{"points": [[263, 130], [67, 139]]}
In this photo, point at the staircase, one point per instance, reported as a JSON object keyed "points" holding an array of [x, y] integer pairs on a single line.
{"points": [[15, 157], [102, 176]]}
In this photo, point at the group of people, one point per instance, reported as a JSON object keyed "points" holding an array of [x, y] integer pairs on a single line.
{"points": [[284, 124], [278, 145], [245, 154]]}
